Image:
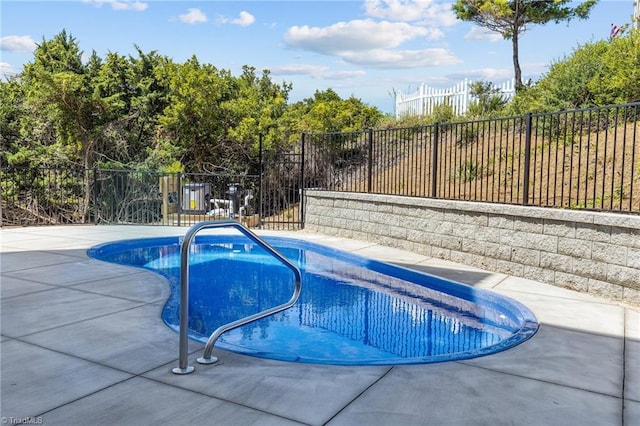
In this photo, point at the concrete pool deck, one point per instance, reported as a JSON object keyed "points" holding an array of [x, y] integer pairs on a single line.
{"points": [[82, 342]]}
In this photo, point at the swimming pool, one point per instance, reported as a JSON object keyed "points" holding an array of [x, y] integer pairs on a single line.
{"points": [[352, 310]]}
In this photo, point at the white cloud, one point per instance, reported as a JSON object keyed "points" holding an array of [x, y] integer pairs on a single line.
{"points": [[316, 71], [344, 75], [244, 19], [137, 6], [193, 16], [425, 12], [478, 33], [297, 69], [396, 59], [17, 44], [357, 35], [370, 43], [6, 69]]}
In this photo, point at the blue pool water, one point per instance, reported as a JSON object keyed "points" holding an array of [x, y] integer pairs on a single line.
{"points": [[352, 310]]}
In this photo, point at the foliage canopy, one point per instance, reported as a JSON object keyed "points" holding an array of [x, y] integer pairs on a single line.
{"points": [[146, 111]]}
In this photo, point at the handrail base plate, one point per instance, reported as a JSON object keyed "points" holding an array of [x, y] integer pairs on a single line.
{"points": [[203, 360], [178, 370]]}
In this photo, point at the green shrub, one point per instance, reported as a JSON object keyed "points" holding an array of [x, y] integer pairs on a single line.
{"points": [[602, 73]]}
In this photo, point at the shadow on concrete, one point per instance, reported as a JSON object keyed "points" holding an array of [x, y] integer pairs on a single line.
{"points": [[462, 276]]}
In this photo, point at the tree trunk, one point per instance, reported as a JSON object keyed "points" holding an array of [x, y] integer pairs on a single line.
{"points": [[516, 61]]}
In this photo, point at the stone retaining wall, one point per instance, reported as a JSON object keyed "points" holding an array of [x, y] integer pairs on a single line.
{"points": [[592, 252]]}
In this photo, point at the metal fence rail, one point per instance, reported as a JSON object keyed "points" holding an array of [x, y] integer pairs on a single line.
{"points": [[44, 196], [588, 159]]}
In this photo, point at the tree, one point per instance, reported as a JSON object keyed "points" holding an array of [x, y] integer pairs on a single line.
{"points": [[133, 98], [213, 119], [193, 123], [328, 112], [256, 107], [63, 122], [510, 18], [59, 97], [11, 109]]}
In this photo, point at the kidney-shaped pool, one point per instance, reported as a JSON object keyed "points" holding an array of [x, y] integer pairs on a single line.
{"points": [[352, 310]]}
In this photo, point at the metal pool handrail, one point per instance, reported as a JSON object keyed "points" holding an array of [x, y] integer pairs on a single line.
{"points": [[183, 363]]}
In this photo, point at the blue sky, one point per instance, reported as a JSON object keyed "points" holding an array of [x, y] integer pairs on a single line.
{"points": [[364, 48]]}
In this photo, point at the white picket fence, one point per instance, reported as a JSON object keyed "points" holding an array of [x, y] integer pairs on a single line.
{"points": [[425, 99]]}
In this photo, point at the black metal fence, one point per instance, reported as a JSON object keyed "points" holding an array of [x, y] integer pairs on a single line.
{"points": [[43, 196], [46, 196], [582, 159]]}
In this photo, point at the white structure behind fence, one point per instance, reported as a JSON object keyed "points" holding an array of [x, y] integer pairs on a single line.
{"points": [[425, 99]]}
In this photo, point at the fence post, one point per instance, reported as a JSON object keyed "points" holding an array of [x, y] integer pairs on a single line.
{"points": [[179, 196], [370, 160], [2, 174], [527, 158], [95, 195], [434, 161], [260, 172], [302, 185]]}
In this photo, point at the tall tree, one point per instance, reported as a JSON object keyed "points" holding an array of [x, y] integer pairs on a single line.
{"points": [[133, 98], [256, 108], [59, 96], [11, 110], [326, 111], [195, 122], [511, 18], [63, 121]]}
